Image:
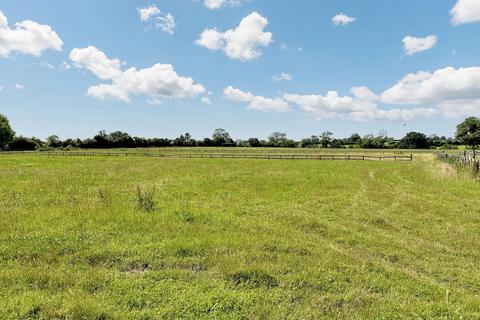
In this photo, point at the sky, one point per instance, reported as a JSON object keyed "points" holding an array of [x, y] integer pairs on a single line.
{"points": [[162, 68]]}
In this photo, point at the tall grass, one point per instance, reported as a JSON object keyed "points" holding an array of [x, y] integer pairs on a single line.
{"points": [[145, 198]]}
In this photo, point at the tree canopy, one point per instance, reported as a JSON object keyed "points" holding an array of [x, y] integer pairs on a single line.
{"points": [[6, 133], [414, 140], [468, 132]]}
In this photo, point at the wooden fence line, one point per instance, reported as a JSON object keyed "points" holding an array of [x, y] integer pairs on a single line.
{"points": [[465, 158], [347, 157]]}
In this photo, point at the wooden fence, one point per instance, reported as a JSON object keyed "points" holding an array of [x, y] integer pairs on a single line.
{"points": [[466, 158], [343, 157]]}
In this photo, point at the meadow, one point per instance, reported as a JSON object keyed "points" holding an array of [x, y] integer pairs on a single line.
{"points": [[237, 238]]}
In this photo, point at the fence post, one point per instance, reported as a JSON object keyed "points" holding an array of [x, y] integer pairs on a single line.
{"points": [[475, 168], [411, 156]]}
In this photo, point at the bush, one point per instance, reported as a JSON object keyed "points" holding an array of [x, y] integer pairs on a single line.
{"points": [[22, 144]]}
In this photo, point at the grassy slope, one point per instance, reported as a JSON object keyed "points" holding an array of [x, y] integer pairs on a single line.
{"points": [[236, 239]]}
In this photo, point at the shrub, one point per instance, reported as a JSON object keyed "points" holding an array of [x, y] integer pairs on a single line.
{"points": [[22, 144]]}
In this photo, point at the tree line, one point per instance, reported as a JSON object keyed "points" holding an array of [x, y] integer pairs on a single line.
{"points": [[468, 133]]}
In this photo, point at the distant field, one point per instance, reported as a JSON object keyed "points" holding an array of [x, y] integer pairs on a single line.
{"points": [[195, 150], [237, 239]]}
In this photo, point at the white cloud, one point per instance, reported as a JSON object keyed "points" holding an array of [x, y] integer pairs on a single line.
{"points": [[157, 82], [361, 107], [147, 13], [96, 61], [164, 22], [217, 4], [465, 11], [256, 102], [27, 37], [342, 19], [433, 88], [453, 92], [1, 88], [447, 92], [206, 101], [108, 92], [241, 43], [18, 86], [414, 45], [282, 77]]}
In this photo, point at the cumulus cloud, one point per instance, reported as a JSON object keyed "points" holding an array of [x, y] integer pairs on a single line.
{"points": [[453, 92], [342, 19], [414, 45], [97, 62], [27, 37], [157, 82], [361, 107], [217, 4], [241, 43], [19, 86], [447, 92], [465, 11], [447, 84], [282, 77], [158, 20], [256, 102]]}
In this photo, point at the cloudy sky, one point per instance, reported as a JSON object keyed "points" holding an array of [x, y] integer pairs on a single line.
{"points": [[164, 67]]}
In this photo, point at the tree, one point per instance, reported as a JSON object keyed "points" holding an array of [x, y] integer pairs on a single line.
{"points": [[354, 139], [54, 142], [6, 132], [221, 137], [413, 140], [326, 139], [254, 143], [468, 133], [22, 144], [277, 139]]}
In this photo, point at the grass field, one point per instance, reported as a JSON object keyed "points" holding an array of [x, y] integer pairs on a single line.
{"points": [[237, 239]]}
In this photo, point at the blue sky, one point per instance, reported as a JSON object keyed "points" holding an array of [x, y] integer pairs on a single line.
{"points": [[199, 68]]}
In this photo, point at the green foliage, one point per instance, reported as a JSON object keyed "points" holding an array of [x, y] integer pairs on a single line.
{"points": [[221, 137], [54, 142], [468, 132], [414, 140], [23, 144], [6, 132]]}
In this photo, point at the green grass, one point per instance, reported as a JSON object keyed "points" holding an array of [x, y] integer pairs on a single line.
{"points": [[236, 239], [241, 150]]}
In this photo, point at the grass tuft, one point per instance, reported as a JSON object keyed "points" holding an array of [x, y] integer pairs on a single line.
{"points": [[145, 198], [103, 197], [253, 279]]}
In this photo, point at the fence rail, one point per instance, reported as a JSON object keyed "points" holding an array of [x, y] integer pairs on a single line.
{"points": [[466, 158], [264, 156], [463, 160]]}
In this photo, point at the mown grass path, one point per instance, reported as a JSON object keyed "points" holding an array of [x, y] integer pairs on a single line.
{"points": [[241, 239]]}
